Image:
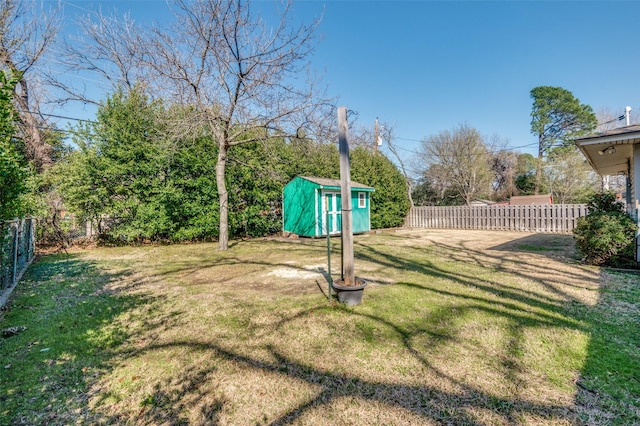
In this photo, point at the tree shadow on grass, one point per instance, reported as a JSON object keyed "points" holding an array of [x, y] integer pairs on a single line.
{"points": [[174, 400], [551, 245], [554, 306], [164, 406], [72, 338], [523, 309], [417, 259], [608, 390]]}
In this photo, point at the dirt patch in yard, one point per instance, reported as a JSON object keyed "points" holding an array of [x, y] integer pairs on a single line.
{"points": [[527, 245], [548, 259], [544, 257], [287, 266]]}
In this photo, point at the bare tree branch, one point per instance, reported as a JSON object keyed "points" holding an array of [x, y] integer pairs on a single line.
{"points": [[236, 74], [403, 168]]}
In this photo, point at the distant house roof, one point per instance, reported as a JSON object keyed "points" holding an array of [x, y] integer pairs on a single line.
{"points": [[482, 203], [335, 183], [528, 200]]}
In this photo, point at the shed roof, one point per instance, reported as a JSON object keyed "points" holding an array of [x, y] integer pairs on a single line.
{"points": [[335, 183], [528, 200]]}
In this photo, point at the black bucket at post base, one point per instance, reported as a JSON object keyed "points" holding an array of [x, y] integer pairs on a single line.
{"points": [[349, 295]]}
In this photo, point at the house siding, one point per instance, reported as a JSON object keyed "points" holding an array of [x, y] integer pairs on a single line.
{"points": [[360, 215], [635, 196]]}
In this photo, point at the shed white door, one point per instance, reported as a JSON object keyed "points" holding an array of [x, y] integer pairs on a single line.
{"points": [[331, 212]]}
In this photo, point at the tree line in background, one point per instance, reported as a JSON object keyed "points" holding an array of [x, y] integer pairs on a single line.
{"points": [[460, 166], [495, 174]]}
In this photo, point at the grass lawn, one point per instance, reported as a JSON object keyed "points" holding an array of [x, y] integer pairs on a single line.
{"points": [[456, 327]]}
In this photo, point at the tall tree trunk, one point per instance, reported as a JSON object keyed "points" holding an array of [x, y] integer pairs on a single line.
{"points": [[409, 192], [403, 169], [223, 197], [38, 151], [539, 167]]}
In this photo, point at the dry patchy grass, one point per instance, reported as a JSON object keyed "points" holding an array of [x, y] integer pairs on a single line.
{"points": [[456, 328]]}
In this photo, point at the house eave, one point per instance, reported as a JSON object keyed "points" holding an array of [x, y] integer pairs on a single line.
{"points": [[616, 161]]}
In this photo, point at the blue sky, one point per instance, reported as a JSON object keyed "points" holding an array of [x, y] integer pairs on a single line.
{"points": [[427, 66]]}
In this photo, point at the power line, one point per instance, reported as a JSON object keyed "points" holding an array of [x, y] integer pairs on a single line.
{"points": [[395, 137], [407, 139], [619, 118], [514, 148], [59, 116]]}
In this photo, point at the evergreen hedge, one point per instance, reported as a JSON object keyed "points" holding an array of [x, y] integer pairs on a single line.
{"points": [[155, 187]]}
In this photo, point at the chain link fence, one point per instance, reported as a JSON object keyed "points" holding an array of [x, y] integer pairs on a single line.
{"points": [[16, 253]]}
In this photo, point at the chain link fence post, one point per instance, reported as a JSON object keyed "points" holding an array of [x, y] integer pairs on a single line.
{"points": [[17, 251]]}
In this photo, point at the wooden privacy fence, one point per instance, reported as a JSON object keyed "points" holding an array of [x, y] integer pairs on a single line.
{"points": [[17, 250], [560, 218]]}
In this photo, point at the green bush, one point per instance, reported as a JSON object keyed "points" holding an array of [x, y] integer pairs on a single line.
{"points": [[128, 171], [606, 236], [13, 170]]}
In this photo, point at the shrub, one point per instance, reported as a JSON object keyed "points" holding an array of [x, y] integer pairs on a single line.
{"points": [[606, 236]]}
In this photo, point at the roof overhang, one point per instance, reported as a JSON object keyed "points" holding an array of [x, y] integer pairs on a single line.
{"points": [[336, 184], [610, 152], [353, 188]]}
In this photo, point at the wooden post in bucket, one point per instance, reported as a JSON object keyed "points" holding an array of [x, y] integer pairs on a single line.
{"points": [[348, 270]]}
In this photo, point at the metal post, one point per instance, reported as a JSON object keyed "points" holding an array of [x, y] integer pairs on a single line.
{"points": [[32, 238], [376, 135], [329, 256], [15, 255]]}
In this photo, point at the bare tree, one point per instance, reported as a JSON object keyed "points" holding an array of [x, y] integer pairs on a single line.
{"points": [[458, 161], [503, 165], [387, 134], [26, 35], [570, 177], [608, 120], [109, 49], [245, 80]]}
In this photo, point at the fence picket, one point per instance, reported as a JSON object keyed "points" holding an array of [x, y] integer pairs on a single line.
{"points": [[554, 218]]}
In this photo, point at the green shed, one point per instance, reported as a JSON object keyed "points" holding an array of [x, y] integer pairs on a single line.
{"points": [[312, 205]]}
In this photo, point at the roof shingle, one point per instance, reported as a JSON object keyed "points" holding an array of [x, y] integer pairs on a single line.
{"points": [[333, 182]]}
